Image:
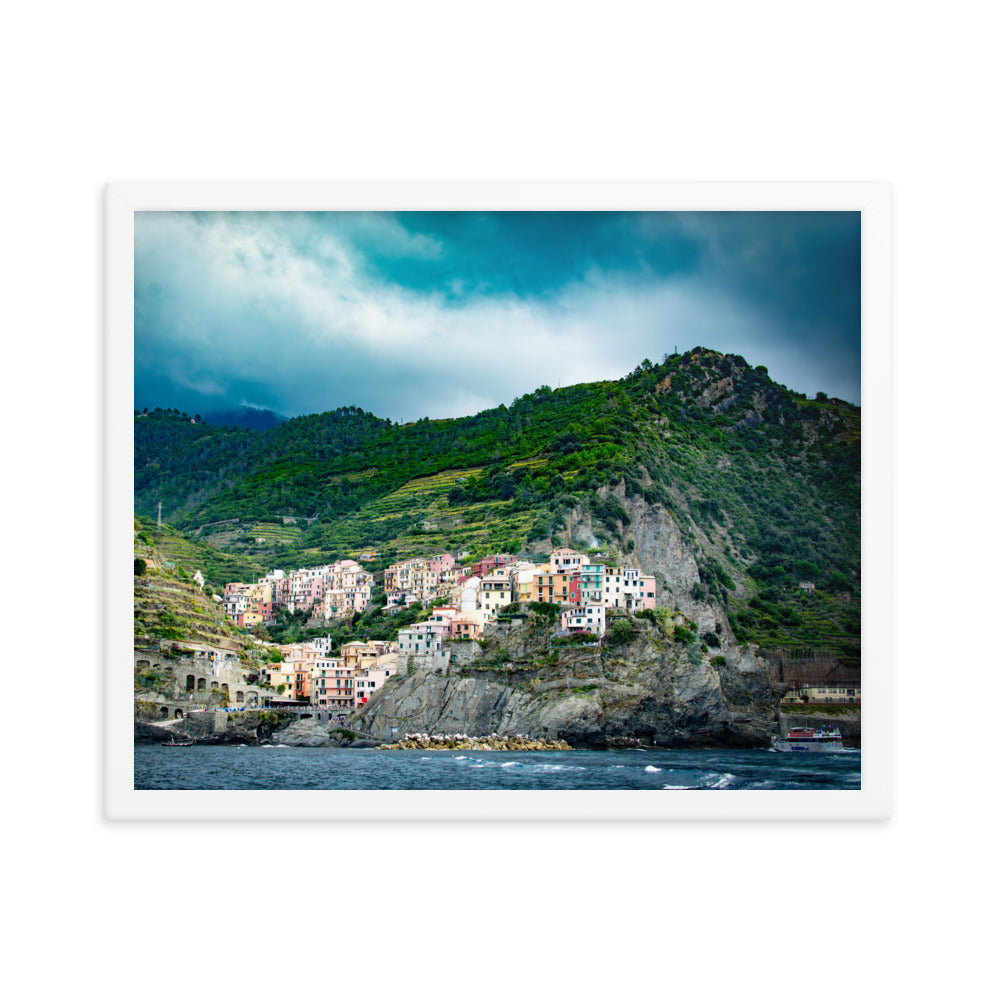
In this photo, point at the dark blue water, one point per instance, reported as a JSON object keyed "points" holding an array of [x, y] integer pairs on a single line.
{"points": [[251, 767]]}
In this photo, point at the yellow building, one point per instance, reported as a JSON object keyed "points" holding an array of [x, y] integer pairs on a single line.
{"points": [[281, 674]]}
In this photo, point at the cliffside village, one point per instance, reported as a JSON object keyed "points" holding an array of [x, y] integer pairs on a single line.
{"points": [[472, 596]]}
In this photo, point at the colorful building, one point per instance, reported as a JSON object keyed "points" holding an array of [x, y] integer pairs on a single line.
{"points": [[332, 685], [590, 618]]}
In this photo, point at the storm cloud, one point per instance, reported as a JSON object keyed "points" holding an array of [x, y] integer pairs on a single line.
{"points": [[444, 314]]}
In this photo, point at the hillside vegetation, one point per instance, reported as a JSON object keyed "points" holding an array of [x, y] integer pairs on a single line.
{"points": [[168, 605], [763, 482]]}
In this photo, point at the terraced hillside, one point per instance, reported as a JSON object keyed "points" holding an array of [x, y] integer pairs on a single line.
{"points": [[168, 604], [193, 553], [418, 519]]}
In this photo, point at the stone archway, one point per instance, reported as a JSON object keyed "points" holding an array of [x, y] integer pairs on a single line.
{"points": [[201, 683], [178, 713]]}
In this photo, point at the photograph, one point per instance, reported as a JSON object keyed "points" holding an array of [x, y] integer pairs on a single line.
{"points": [[497, 500]]}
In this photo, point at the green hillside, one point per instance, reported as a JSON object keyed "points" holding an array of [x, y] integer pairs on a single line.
{"points": [[168, 605], [764, 483]]}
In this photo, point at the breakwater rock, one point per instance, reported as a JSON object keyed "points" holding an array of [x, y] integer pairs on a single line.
{"points": [[421, 741]]}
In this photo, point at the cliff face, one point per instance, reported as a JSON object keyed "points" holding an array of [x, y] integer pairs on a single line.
{"points": [[652, 540], [647, 686], [679, 680]]}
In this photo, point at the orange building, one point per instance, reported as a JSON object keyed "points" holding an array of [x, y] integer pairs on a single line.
{"points": [[555, 588]]}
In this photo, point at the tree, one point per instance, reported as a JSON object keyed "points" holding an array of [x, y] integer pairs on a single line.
{"points": [[139, 567]]}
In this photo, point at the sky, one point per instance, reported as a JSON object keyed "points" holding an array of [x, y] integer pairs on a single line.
{"points": [[416, 314]]}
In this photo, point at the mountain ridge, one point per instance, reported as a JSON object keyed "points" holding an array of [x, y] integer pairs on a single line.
{"points": [[762, 483]]}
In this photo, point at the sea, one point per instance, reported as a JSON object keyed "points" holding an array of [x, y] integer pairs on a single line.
{"points": [[284, 767]]}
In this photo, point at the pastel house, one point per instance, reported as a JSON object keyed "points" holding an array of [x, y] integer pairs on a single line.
{"points": [[590, 618]]}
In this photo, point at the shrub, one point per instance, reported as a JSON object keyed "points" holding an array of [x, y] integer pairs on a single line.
{"points": [[682, 634], [576, 639], [619, 633], [548, 611]]}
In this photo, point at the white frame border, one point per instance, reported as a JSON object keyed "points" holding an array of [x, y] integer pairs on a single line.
{"points": [[872, 801]]}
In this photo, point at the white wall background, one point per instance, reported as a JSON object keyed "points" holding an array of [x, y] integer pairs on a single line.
{"points": [[725, 91]]}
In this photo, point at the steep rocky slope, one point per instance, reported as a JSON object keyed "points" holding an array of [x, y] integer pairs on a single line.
{"points": [[657, 682]]}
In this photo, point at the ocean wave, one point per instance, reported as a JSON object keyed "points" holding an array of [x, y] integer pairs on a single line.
{"points": [[651, 769], [510, 763], [722, 781]]}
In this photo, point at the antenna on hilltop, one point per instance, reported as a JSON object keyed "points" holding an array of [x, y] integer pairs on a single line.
{"points": [[159, 512]]}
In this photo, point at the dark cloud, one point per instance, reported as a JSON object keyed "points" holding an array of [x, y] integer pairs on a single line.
{"points": [[442, 314]]}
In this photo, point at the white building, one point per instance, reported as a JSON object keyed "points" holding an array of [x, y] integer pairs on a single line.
{"points": [[590, 618], [495, 592]]}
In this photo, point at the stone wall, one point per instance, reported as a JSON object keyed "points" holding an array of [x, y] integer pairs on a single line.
{"points": [[191, 682]]}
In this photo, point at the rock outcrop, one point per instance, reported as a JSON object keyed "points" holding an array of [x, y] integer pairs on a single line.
{"points": [[654, 687], [304, 733]]}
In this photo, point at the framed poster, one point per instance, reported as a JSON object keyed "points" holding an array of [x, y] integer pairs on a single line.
{"points": [[498, 500]]}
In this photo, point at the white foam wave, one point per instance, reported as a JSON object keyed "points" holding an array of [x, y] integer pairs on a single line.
{"points": [[510, 763], [722, 781], [650, 768]]}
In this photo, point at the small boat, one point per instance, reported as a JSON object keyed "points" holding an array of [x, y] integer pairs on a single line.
{"points": [[822, 740], [172, 742]]}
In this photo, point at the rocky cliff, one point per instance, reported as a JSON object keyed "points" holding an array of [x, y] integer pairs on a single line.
{"points": [[650, 538], [651, 680]]}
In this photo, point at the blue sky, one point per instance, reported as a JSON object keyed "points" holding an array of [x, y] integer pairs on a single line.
{"points": [[445, 314]]}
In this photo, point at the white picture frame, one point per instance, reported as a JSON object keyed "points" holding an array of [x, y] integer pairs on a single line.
{"points": [[874, 798]]}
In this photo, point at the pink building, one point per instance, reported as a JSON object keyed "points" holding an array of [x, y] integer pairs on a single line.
{"points": [[368, 680], [567, 560], [586, 619], [442, 563], [333, 685], [488, 564]]}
